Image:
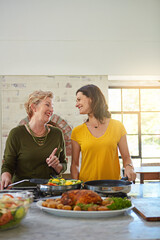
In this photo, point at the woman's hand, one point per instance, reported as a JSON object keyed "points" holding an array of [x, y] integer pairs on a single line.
{"points": [[6, 180], [123, 148], [130, 173], [54, 162]]}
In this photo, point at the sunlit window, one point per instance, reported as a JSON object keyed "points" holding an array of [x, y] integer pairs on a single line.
{"points": [[139, 110]]}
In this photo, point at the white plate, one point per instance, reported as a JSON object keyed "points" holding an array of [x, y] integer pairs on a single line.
{"points": [[82, 214]]}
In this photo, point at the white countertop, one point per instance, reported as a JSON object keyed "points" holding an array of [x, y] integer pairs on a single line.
{"points": [[41, 225]]}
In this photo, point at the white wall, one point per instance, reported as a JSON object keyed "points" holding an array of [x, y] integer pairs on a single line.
{"points": [[16, 89], [80, 37]]}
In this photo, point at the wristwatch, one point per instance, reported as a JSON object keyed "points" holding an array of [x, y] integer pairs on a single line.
{"points": [[129, 164]]}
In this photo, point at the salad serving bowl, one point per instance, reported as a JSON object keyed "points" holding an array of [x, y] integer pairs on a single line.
{"points": [[14, 206]]}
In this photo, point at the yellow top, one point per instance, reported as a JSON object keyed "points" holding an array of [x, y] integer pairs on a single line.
{"points": [[100, 159]]}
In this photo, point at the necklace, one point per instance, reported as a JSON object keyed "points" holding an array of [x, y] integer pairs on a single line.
{"points": [[93, 125], [39, 140]]}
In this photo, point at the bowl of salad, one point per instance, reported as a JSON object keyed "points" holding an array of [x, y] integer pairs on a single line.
{"points": [[14, 206]]}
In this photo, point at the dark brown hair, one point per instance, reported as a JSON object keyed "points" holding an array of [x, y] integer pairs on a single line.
{"points": [[99, 105]]}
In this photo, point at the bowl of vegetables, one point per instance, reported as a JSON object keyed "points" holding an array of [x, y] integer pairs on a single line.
{"points": [[14, 206]]}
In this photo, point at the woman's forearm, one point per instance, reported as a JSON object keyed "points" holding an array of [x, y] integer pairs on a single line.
{"points": [[74, 171], [58, 168]]}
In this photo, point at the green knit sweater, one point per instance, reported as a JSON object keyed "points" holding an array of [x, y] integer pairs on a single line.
{"points": [[25, 159]]}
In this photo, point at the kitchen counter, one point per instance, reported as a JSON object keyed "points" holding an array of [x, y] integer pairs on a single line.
{"points": [[41, 225]]}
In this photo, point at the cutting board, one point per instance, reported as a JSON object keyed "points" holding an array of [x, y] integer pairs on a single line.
{"points": [[148, 208]]}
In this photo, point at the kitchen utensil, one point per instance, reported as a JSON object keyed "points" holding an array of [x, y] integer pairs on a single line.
{"points": [[32, 180], [109, 186], [57, 189], [148, 208], [14, 206], [47, 189]]}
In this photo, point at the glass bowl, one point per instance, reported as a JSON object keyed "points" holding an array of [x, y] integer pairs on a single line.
{"points": [[14, 206]]}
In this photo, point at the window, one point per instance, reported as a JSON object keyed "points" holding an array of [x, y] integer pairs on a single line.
{"points": [[139, 110]]}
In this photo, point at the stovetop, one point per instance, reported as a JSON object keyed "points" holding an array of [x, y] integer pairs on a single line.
{"points": [[39, 195], [117, 194]]}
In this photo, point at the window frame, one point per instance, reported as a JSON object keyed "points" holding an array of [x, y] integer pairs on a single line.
{"points": [[122, 112]]}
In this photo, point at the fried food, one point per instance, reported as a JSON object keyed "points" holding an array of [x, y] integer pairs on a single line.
{"points": [[77, 208], [107, 201], [86, 200], [103, 208], [59, 206], [66, 207], [73, 197]]}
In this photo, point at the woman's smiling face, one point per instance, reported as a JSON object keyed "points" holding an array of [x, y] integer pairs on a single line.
{"points": [[83, 103], [44, 109]]}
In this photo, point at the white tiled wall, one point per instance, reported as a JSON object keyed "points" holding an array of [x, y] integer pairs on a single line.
{"points": [[15, 90]]}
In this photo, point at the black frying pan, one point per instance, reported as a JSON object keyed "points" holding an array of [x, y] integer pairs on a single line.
{"points": [[42, 187], [57, 189], [109, 186]]}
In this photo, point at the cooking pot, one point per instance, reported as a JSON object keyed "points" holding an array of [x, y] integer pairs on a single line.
{"points": [[109, 186]]}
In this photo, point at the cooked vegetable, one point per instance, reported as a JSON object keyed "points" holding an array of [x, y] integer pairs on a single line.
{"points": [[61, 181], [87, 207]]}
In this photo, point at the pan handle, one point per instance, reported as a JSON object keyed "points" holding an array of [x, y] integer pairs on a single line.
{"points": [[15, 183], [38, 180], [124, 178], [32, 180]]}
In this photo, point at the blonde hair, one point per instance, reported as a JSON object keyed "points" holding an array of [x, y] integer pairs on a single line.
{"points": [[35, 98]]}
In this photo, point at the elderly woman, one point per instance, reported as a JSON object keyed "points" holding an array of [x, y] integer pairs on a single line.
{"points": [[34, 150]]}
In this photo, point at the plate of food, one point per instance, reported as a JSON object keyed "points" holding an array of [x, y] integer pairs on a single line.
{"points": [[85, 204]]}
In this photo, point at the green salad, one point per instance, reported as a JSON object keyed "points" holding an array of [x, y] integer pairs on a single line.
{"points": [[12, 210]]}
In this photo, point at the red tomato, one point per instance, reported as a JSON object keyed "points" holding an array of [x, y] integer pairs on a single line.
{"points": [[5, 218], [8, 205], [9, 195], [52, 184]]}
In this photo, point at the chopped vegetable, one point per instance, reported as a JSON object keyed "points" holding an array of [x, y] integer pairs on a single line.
{"points": [[20, 213], [85, 207], [7, 195], [12, 210], [52, 184], [61, 181]]}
